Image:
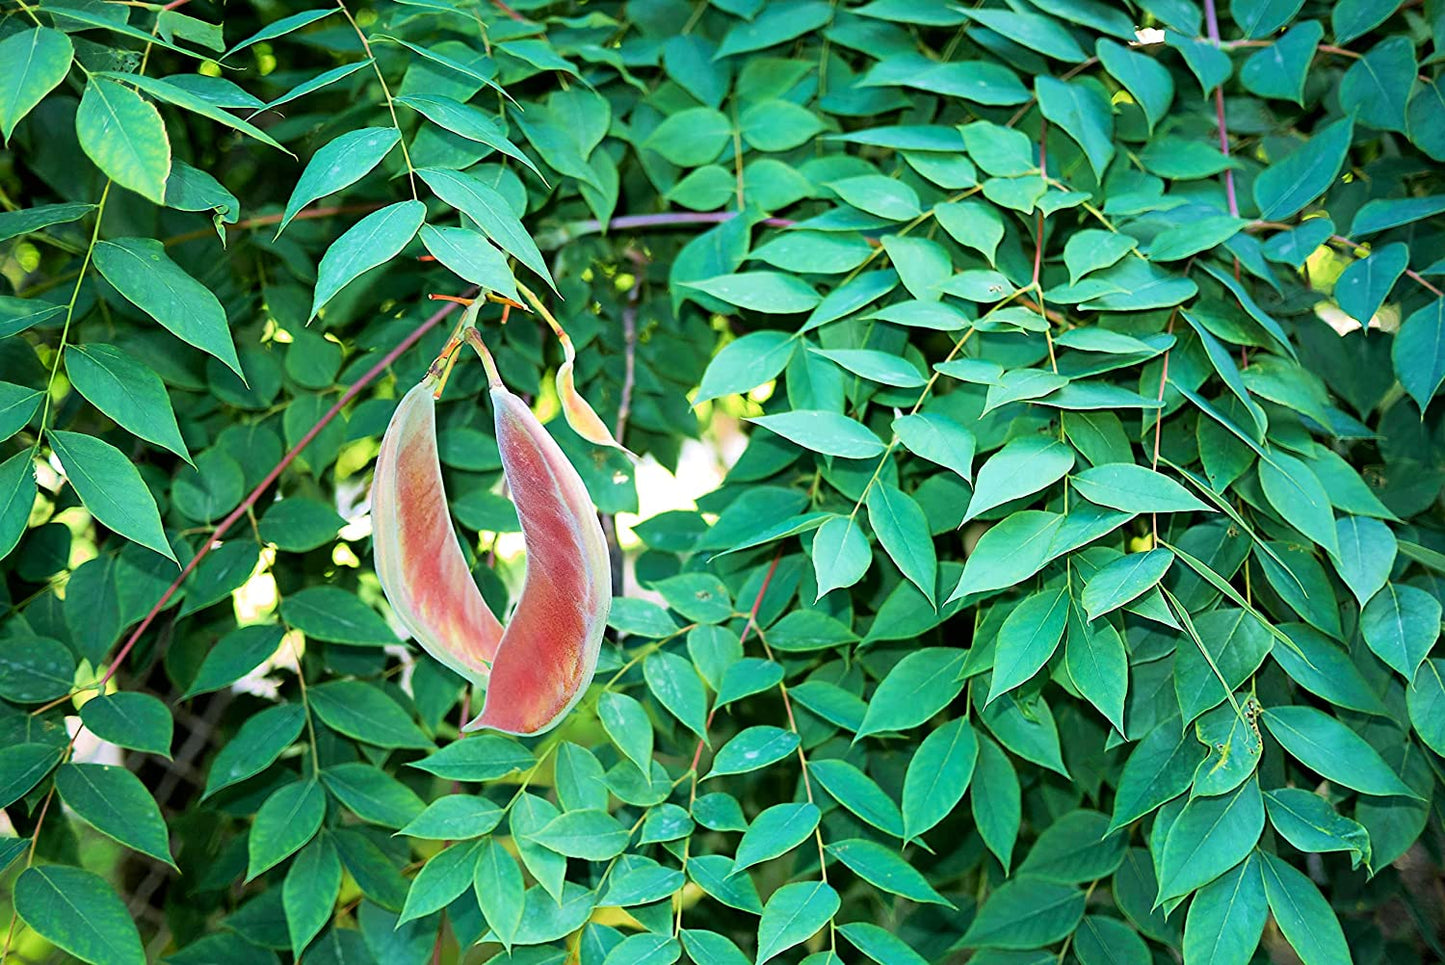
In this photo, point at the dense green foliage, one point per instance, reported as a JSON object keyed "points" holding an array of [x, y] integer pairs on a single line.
{"points": [[1073, 599]]}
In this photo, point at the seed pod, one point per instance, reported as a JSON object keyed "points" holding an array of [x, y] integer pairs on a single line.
{"points": [[549, 650], [418, 559], [579, 414]]}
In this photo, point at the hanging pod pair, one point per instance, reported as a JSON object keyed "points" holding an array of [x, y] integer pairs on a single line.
{"points": [[536, 667]]}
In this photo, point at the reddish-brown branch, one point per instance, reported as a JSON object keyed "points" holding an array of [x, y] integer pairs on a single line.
{"points": [[431, 322]]}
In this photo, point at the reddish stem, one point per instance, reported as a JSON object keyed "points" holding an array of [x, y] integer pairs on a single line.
{"points": [[286, 460], [1211, 20]]}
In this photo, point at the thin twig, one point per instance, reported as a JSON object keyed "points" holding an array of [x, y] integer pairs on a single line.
{"points": [[431, 322]]}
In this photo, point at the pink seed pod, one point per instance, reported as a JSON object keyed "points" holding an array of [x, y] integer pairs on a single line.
{"points": [[418, 558], [549, 650]]}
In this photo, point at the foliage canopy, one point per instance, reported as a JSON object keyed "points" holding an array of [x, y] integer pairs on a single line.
{"points": [[1076, 593]]}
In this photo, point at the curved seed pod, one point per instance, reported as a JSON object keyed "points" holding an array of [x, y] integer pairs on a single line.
{"points": [[583, 419], [418, 559], [549, 650]]}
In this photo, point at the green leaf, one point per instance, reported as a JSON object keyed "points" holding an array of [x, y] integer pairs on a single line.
{"points": [[1377, 87], [919, 686], [363, 712], [331, 613], [1027, 639], [1318, 665], [141, 271], [675, 683], [752, 748], [309, 892], [497, 882], [22, 766], [1287, 185], [830, 433], [1303, 915], [111, 488], [1158, 770], [1032, 30], [645, 949], [1010, 552], [453, 818], [299, 524], [1297, 495], [1092, 249], [1097, 663], [590, 834], [1135, 489], [1308, 822], [938, 774], [34, 669], [341, 162], [321, 80], [372, 794], [372, 241], [234, 656], [125, 137], [1333, 750], [760, 291], [1025, 913], [1227, 916], [793, 914], [858, 793], [1082, 109], [885, 197], [777, 24], [1401, 623], [15, 224], [471, 257], [466, 121], [774, 832], [286, 820], [1425, 700], [710, 872], [692, 137], [1124, 580], [128, 391], [903, 531], [1231, 645], [256, 746], [181, 97], [1418, 352], [137, 721], [1278, 70], [441, 880], [484, 205], [777, 125], [841, 554], [875, 366], [1019, 469], [1146, 80], [78, 911], [281, 28], [626, 722], [36, 62], [113, 801], [1101, 940], [746, 363], [1367, 550], [1210, 836], [879, 944], [885, 869], [939, 439]]}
